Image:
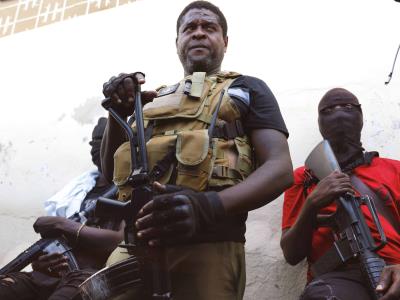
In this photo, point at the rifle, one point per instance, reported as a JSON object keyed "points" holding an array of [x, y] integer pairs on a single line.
{"points": [[53, 245], [154, 260], [352, 236]]}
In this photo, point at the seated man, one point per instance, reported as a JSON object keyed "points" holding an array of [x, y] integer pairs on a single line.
{"points": [[91, 245], [340, 122]]}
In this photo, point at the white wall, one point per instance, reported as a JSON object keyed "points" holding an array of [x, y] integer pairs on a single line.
{"points": [[51, 80]]}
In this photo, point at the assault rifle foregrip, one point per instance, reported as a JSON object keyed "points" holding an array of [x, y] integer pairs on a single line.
{"points": [[25, 258], [371, 267], [34, 251], [360, 238]]}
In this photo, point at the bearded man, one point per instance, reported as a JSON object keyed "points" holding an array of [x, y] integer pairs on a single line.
{"points": [[239, 165]]}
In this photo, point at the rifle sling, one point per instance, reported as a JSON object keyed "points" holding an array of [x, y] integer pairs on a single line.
{"points": [[384, 211], [337, 255]]}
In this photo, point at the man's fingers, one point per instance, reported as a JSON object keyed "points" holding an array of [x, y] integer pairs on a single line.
{"points": [[146, 209], [158, 203], [385, 280], [51, 256], [160, 218], [60, 267], [115, 98], [121, 93], [139, 77], [149, 233], [148, 96], [170, 235], [390, 282], [129, 88], [50, 262], [56, 261], [163, 202], [167, 234], [159, 188], [168, 188]]}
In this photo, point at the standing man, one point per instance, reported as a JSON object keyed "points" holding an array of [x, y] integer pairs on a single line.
{"points": [[340, 122], [241, 164]]}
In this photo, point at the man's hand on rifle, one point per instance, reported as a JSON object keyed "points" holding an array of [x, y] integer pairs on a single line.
{"points": [[53, 227], [50, 226], [121, 90], [53, 264], [171, 218], [329, 189], [389, 283]]}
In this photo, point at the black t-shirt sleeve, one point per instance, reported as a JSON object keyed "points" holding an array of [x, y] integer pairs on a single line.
{"points": [[257, 105]]}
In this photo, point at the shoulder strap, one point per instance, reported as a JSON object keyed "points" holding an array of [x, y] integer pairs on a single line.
{"points": [[380, 207]]}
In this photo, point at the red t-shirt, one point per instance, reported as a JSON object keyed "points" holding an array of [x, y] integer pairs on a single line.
{"points": [[383, 177]]}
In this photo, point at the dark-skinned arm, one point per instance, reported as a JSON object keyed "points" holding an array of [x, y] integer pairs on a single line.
{"points": [[120, 90], [267, 182], [89, 237], [113, 137], [296, 241]]}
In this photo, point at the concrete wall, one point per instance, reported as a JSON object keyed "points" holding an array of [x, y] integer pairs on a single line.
{"points": [[51, 79]]}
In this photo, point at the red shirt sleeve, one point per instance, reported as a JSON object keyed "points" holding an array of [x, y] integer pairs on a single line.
{"points": [[293, 199]]}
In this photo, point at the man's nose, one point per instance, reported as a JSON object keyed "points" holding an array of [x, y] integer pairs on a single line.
{"points": [[199, 33]]}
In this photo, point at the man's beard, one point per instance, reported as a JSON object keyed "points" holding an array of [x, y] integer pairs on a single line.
{"points": [[208, 63], [203, 65]]}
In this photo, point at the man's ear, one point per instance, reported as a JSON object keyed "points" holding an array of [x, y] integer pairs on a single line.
{"points": [[226, 43]]}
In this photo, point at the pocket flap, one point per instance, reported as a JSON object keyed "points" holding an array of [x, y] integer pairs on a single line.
{"points": [[192, 147], [122, 164]]}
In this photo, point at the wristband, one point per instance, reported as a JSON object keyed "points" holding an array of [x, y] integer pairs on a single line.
{"points": [[78, 233]]}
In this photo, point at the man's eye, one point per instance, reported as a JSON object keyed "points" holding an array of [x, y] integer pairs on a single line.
{"points": [[189, 28], [210, 28], [327, 110]]}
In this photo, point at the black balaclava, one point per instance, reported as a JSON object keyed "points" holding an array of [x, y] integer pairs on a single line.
{"points": [[341, 126], [97, 135]]}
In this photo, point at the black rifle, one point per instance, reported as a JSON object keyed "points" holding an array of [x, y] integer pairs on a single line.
{"points": [[155, 261], [53, 245], [353, 239]]}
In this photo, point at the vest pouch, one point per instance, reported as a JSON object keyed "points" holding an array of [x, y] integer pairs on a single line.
{"points": [[194, 159], [244, 162], [122, 170], [177, 105], [157, 148]]}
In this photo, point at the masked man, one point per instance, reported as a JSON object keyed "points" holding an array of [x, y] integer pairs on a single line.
{"points": [[340, 122], [205, 224]]}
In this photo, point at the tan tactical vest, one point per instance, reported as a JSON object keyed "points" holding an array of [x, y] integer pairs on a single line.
{"points": [[179, 118]]}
